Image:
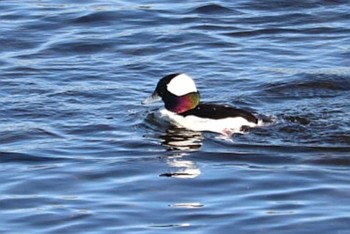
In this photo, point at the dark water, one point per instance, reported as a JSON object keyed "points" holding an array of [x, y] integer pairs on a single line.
{"points": [[79, 154]]}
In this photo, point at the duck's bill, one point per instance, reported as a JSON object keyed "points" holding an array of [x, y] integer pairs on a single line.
{"points": [[153, 98]]}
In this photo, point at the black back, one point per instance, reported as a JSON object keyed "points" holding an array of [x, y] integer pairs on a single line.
{"points": [[214, 111]]}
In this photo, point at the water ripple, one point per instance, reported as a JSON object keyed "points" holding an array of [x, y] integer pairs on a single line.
{"points": [[79, 152]]}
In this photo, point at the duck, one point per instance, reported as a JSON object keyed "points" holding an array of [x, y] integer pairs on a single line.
{"points": [[183, 108]]}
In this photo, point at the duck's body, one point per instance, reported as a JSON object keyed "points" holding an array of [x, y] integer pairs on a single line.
{"points": [[182, 107]]}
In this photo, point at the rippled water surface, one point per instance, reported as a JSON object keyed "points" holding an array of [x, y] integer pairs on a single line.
{"points": [[80, 154]]}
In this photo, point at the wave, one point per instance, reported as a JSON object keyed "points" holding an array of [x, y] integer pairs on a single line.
{"points": [[16, 157]]}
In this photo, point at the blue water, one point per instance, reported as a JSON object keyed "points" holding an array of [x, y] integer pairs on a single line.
{"points": [[80, 154]]}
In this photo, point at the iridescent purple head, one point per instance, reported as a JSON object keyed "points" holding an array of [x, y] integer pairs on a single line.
{"points": [[178, 92]]}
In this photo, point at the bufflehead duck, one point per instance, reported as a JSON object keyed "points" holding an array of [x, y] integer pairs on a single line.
{"points": [[183, 108]]}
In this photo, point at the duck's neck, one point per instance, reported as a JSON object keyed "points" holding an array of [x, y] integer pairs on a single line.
{"points": [[183, 103]]}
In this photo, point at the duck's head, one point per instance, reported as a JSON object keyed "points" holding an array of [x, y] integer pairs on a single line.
{"points": [[178, 92]]}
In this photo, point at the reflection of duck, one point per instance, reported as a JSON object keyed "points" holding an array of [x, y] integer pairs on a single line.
{"points": [[183, 108], [181, 139], [185, 169], [178, 141]]}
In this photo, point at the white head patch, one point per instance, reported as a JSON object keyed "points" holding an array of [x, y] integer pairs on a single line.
{"points": [[181, 84]]}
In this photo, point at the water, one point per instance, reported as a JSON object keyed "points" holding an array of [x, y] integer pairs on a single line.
{"points": [[80, 154]]}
